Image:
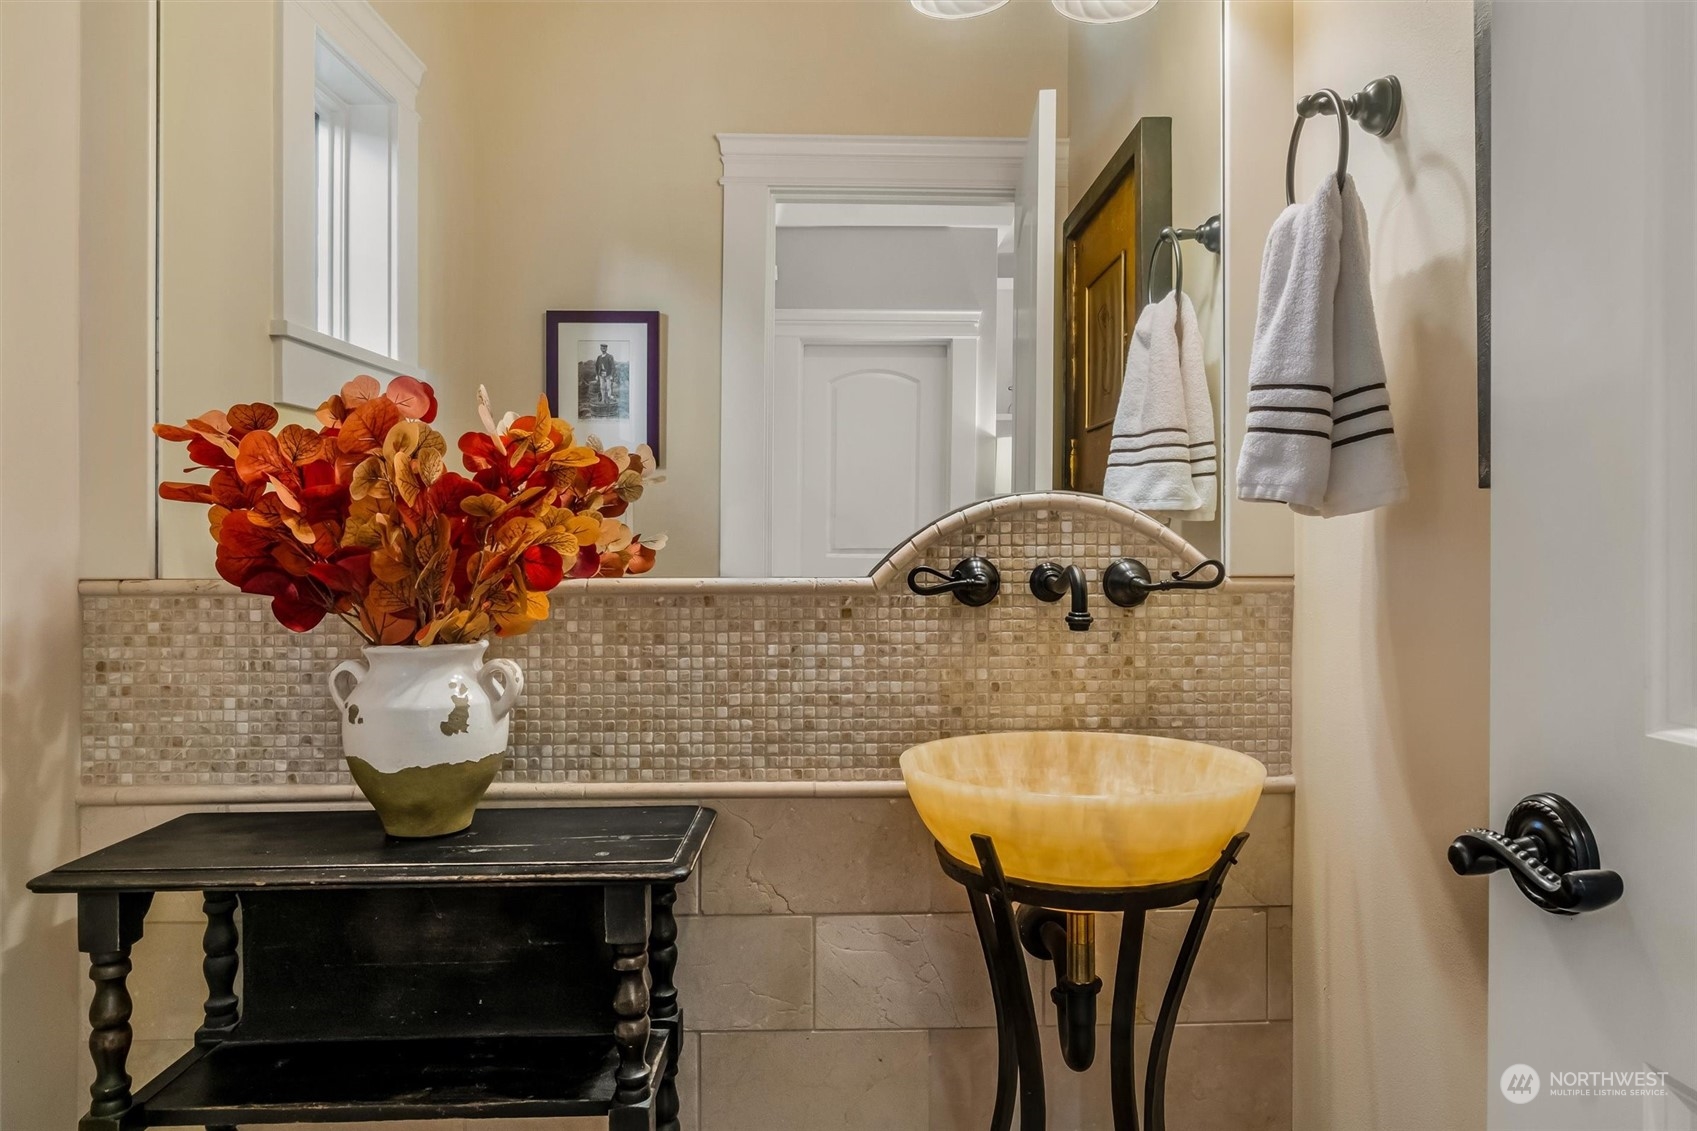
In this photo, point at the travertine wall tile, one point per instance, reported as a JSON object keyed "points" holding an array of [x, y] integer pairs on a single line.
{"points": [[900, 972], [746, 971], [1229, 982], [781, 683], [846, 1081], [1262, 875], [1280, 958], [963, 1078], [822, 856], [1220, 1078]]}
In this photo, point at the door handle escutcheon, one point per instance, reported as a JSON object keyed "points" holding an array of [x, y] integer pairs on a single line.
{"points": [[1548, 848]]}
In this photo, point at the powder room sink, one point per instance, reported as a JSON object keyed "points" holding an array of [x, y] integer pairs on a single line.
{"points": [[1085, 809]]}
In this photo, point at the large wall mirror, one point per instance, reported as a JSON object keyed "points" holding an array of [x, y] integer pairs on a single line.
{"points": [[844, 266]]}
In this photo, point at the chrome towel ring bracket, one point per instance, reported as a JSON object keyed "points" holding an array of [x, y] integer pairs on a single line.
{"points": [[1207, 234], [1375, 109]]}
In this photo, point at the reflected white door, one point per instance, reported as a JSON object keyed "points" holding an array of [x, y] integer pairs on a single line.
{"points": [[1594, 524], [873, 453], [1035, 223]]}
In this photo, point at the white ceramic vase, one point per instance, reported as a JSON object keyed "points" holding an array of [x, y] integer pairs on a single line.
{"points": [[424, 730]]}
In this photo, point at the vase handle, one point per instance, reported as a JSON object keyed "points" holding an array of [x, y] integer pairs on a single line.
{"points": [[503, 693], [358, 669]]}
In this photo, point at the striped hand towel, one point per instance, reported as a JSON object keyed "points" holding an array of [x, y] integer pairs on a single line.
{"points": [[1366, 465], [1287, 443], [1149, 455], [1198, 414]]}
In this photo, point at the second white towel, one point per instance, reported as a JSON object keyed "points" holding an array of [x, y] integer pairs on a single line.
{"points": [[1162, 458]]}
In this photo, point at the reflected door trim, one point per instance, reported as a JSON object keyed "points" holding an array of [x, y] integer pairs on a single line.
{"points": [[760, 170]]}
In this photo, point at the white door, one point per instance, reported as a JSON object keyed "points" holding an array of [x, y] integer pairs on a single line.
{"points": [[1034, 305], [1593, 510], [872, 457]]}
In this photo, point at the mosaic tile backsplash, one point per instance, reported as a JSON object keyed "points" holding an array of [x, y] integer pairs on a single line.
{"points": [[641, 680]]}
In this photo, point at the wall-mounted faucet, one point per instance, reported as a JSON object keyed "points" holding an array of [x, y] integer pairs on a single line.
{"points": [[1050, 582]]}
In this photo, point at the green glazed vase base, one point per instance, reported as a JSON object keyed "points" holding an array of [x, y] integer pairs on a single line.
{"points": [[426, 801]]}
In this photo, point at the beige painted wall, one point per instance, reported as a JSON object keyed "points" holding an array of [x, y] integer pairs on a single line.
{"points": [[40, 664], [1390, 654], [218, 220]]}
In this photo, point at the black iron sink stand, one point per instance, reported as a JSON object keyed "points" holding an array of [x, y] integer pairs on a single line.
{"points": [[992, 896]]}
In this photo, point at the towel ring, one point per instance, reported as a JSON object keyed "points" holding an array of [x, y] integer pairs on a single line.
{"points": [[1168, 238], [1206, 233], [1305, 109], [1375, 108]]}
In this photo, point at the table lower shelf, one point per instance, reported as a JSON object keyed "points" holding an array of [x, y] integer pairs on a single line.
{"points": [[257, 1082]]}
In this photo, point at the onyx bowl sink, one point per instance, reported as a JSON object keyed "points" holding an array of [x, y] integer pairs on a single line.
{"points": [[1084, 808]]}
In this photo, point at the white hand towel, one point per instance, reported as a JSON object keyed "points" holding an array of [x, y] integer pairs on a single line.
{"points": [[1366, 468], [1149, 455], [1287, 449], [1198, 414]]}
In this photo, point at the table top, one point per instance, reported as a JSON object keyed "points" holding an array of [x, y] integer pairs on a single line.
{"points": [[348, 849]]}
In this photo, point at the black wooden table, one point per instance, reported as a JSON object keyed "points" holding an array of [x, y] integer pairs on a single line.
{"points": [[496, 972]]}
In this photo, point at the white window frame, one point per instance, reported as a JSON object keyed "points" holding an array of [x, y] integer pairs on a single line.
{"points": [[310, 364]]}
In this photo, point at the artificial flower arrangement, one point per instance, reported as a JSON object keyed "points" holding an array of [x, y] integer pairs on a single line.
{"points": [[362, 518]]}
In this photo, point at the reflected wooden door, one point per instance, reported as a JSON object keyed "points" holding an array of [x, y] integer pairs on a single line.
{"points": [[1108, 238]]}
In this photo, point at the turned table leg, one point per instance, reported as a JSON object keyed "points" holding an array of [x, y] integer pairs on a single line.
{"points": [[219, 966], [108, 925], [625, 929], [663, 997]]}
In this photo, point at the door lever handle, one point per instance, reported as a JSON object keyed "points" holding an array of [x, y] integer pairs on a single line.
{"points": [[1549, 849]]}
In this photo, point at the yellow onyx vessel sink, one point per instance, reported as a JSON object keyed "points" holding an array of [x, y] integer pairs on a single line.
{"points": [[1084, 809]]}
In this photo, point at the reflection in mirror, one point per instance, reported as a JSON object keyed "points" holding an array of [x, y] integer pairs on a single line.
{"points": [[818, 256]]}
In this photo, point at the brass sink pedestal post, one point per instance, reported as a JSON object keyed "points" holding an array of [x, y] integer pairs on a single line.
{"points": [[1014, 917]]}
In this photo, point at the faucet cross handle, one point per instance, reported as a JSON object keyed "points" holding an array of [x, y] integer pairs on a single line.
{"points": [[1128, 583]]}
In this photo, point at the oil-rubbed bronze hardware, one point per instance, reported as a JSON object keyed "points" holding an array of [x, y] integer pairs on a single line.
{"points": [[1549, 849], [974, 581], [1050, 582], [1127, 583], [1375, 109], [1047, 922]]}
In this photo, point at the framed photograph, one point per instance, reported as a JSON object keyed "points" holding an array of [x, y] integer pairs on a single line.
{"points": [[604, 374]]}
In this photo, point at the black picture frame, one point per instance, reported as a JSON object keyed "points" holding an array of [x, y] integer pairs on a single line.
{"points": [[641, 391]]}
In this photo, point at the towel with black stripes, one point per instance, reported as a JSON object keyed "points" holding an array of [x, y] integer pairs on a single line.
{"points": [[1162, 457], [1319, 435]]}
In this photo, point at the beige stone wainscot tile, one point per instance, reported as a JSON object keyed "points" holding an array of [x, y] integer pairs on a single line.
{"points": [[963, 1078], [1280, 964], [746, 971], [845, 1081], [900, 972], [1229, 982], [821, 856], [1233, 1077], [1262, 875]]}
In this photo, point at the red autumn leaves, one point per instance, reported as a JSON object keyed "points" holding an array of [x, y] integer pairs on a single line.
{"points": [[361, 518]]}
